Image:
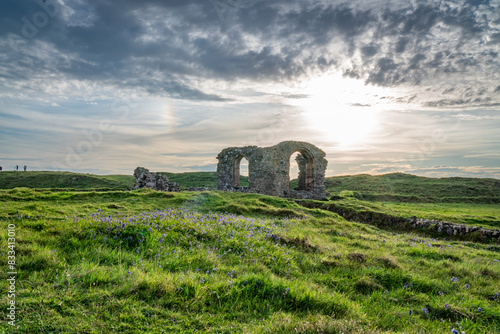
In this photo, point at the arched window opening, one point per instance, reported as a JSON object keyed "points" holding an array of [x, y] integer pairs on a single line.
{"points": [[302, 165], [240, 172], [244, 172], [294, 171]]}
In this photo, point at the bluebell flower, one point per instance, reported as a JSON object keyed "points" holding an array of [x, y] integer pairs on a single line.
{"points": [[453, 279], [454, 331], [410, 312]]}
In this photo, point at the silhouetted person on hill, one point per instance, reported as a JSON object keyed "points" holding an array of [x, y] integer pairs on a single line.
{"points": [[0, 168], [25, 167], [17, 167]]}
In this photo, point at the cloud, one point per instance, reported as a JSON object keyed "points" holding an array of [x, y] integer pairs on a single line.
{"points": [[168, 48], [433, 171], [225, 67], [11, 116], [460, 171]]}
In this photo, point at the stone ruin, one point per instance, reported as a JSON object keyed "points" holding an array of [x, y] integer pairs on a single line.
{"points": [[269, 167], [156, 181]]}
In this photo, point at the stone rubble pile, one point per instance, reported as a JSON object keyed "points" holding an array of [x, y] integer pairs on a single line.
{"points": [[156, 181]]}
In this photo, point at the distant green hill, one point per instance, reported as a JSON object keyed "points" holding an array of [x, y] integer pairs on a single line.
{"points": [[65, 180], [401, 187], [76, 181]]}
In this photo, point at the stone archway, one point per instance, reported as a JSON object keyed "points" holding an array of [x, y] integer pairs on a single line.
{"points": [[228, 168], [269, 169]]}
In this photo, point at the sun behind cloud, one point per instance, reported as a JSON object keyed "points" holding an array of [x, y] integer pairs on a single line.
{"points": [[343, 110]]}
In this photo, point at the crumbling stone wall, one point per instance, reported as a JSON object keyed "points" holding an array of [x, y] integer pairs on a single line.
{"points": [[145, 179], [269, 167]]}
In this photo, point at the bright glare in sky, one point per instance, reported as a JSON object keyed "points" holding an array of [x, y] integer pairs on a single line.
{"points": [[345, 111]]}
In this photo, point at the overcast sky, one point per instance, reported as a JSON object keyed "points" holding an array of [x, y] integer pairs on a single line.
{"points": [[104, 86]]}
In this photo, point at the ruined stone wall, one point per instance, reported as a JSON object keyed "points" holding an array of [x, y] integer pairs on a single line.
{"points": [[145, 179], [269, 169]]}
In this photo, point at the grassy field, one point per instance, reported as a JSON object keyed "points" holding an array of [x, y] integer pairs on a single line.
{"points": [[64, 180], [399, 187], [396, 187], [461, 200], [471, 214], [199, 179], [216, 262], [76, 181]]}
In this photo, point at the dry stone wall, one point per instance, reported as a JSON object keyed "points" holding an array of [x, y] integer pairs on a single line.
{"points": [[450, 228], [269, 167]]}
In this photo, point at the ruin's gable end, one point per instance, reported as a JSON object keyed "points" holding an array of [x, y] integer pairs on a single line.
{"points": [[269, 169]]}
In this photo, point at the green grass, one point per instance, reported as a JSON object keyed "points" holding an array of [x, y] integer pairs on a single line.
{"points": [[77, 181], [399, 187], [396, 187], [194, 179], [461, 200], [190, 263], [199, 179], [64, 180], [485, 215], [471, 214], [63, 204]]}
